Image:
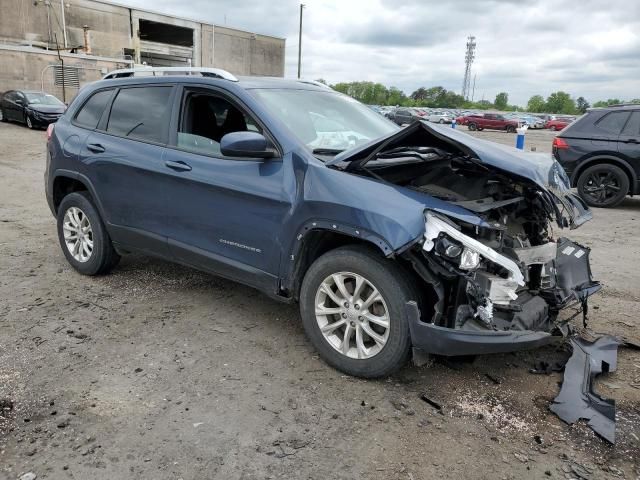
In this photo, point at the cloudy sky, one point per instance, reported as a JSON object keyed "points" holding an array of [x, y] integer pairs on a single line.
{"points": [[585, 47]]}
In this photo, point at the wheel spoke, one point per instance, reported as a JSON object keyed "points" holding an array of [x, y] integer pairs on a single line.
{"points": [[383, 321], [331, 294], [332, 326], [374, 296], [357, 290], [339, 281], [323, 311], [346, 339], [362, 350], [373, 335]]}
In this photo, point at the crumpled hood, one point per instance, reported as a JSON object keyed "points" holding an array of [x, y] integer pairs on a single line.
{"points": [[541, 169]]}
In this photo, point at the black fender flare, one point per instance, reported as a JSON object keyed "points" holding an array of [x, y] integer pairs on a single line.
{"points": [[585, 163], [292, 263], [83, 180]]}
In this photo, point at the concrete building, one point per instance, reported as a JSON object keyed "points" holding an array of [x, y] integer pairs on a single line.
{"points": [[96, 36]]}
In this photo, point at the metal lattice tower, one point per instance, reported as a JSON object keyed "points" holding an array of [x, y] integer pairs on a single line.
{"points": [[469, 56]]}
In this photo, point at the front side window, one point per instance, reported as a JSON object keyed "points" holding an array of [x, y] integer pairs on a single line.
{"points": [[90, 113], [613, 122], [141, 113], [309, 113], [206, 118]]}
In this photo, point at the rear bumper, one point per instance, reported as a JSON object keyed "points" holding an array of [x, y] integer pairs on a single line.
{"points": [[437, 340]]}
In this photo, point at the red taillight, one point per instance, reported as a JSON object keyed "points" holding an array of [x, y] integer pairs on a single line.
{"points": [[50, 131], [560, 143]]}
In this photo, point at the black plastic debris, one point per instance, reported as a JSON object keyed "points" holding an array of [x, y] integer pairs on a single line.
{"points": [[433, 403], [577, 400], [546, 368]]}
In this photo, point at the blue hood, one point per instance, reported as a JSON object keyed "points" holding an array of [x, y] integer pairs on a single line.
{"points": [[537, 168]]}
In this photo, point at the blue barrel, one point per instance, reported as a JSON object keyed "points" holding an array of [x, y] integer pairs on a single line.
{"points": [[520, 137]]}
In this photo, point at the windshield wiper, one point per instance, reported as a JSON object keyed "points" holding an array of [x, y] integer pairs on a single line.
{"points": [[326, 151]]}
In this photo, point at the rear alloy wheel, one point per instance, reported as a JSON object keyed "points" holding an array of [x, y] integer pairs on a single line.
{"points": [[3, 118], [552, 128], [353, 309], [603, 186], [83, 237], [473, 127], [441, 120], [29, 123]]}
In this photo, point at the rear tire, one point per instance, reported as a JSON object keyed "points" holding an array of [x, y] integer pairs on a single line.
{"points": [[472, 126], [441, 121], [83, 236], [3, 117], [367, 356], [552, 128], [603, 186]]}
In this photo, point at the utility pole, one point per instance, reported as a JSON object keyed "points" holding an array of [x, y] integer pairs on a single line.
{"points": [[300, 41], [64, 24], [469, 56]]}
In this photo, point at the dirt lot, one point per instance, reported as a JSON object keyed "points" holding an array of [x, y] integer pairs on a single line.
{"points": [[156, 371]]}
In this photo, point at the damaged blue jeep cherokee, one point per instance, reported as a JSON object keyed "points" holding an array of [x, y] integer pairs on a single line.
{"points": [[420, 240]]}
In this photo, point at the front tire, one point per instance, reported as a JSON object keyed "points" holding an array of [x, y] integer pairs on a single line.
{"points": [[29, 122], [511, 129], [83, 237], [3, 117], [441, 121], [552, 128], [472, 126], [603, 185], [352, 303]]}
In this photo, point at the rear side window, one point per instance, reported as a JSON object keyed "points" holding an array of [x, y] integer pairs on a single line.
{"points": [[613, 122], [90, 113], [633, 125], [142, 113]]}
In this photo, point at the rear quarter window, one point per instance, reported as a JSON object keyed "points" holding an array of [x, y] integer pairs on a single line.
{"points": [[89, 114], [612, 122]]}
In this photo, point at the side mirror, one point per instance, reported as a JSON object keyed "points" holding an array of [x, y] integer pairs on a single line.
{"points": [[245, 144]]}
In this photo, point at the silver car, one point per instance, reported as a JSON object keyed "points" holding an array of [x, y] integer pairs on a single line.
{"points": [[440, 117]]}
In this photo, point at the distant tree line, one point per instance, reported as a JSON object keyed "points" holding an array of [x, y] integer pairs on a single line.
{"points": [[373, 93]]}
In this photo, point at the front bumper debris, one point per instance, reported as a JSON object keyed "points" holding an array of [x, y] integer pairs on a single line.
{"points": [[577, 399], [432, 339]]}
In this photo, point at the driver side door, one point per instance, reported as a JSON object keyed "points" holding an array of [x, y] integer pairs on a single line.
{"points": [[224, 214]]}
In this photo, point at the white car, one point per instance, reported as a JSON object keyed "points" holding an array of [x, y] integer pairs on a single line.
{"points": [[440, 117]]}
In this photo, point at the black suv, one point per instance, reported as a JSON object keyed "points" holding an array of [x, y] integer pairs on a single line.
{"points": [[601, 154]]}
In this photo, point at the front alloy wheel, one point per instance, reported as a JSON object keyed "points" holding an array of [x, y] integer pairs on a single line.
{"points": [[353, 307], [29, 123], [352, 315]]}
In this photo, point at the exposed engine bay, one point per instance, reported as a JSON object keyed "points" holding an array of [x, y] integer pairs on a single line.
{"points": [[507, 270]]}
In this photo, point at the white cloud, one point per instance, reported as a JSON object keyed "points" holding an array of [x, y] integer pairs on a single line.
{"points": [[589, 48]]}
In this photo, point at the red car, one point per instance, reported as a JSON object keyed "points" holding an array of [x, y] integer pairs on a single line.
{"points": [[490, 121], [558, 123]]}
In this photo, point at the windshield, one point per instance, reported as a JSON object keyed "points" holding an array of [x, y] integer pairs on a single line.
{"points": [[42, 99], [325, 120]]}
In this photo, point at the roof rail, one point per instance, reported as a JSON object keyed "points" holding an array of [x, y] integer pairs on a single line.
{"points": [[628, 104], [144, 71], [314, 82]]}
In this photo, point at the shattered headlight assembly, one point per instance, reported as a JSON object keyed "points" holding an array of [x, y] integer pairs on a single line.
{"points": [[469, 260], [438, 228]]}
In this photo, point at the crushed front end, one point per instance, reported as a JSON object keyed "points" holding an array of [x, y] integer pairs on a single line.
{"points": [[497, 273], [497, 288]]}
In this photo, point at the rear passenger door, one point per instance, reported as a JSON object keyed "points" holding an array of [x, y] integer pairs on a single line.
{"points": [[629, 141], [123, 158]]}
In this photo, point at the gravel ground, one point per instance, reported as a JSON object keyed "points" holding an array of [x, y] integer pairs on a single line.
{"points": [[157, 371]]}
